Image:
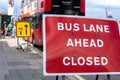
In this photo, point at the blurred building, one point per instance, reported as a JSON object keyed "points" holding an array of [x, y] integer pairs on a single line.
{"points": [[4, 17]]}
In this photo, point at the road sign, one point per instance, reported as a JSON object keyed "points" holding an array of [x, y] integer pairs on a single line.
{"points": [[80, 45], [23, 29]]}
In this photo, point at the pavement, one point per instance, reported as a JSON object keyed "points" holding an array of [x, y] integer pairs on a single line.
{"points": [[16, 64], [21, 65]]}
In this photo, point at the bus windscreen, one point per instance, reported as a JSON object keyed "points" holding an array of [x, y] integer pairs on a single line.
{"points": [[67, 7]]}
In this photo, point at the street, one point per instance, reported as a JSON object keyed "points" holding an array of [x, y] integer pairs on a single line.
{"points": [[19, 65]]}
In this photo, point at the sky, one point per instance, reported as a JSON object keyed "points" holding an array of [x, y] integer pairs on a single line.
{"points": [[98, 8], [94, 8], [17, 6]]}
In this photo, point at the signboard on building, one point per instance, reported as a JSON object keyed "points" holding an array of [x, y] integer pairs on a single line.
{"points": [[23, 29], [30, 8], [10, 7], [80, 45]]}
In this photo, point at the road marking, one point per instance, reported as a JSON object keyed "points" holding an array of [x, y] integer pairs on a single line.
{"points": [[34, 51], [80, 78]]}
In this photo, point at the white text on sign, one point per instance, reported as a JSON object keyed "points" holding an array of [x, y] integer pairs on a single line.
{"points": [[84, 42], [87, 28], [89, 61]]}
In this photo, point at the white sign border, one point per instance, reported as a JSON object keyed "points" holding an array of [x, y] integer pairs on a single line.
{"points": [[44, 46]]}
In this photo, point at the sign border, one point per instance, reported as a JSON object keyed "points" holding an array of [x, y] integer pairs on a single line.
{"points": [[16, 28], [44, 46]]}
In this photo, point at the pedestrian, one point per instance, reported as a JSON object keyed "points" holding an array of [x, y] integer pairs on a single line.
{"points": [[10, 28], [3, 27], [6, 31], [13, 31]]}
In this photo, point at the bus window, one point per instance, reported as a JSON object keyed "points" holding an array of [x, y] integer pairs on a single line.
{"points": [[67, 7], [35, 22], [40, 17], [42, 4]]}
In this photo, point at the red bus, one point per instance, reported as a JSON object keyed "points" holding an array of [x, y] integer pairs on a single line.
{"points": [[32, 11]]}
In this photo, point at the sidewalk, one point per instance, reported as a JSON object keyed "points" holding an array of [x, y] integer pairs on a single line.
{"points": [[18, 65]]}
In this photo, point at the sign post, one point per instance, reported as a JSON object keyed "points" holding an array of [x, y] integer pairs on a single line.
{"points": [[22, 30], [80, 45]]}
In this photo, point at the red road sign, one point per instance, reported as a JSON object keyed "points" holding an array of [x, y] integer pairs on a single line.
{"points": [[80, 45], [20, 28]]}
